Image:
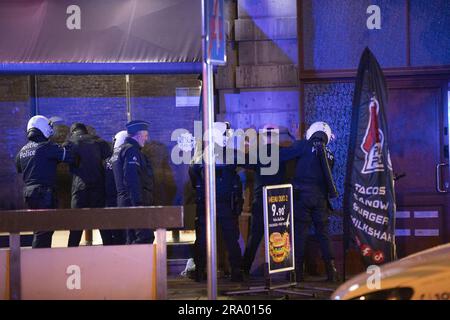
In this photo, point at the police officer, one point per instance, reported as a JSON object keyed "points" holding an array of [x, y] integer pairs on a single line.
{"points": [[37, 162], [88, 177], [134, 177], [113, 237], [313, 187], [228, 206], [268, 138]]}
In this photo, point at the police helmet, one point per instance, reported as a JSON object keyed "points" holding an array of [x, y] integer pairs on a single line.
{"points": [[220, 133], [119, 138], [41, 123], [320, 126]]}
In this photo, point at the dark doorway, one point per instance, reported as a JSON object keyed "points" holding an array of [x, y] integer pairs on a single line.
{"points": [[418, 136]]}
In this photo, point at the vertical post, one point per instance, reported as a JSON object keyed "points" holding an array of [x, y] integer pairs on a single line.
{"points": [[293, 277], [32, 88], [88, 237], [447, 124], [408, 33], [14, 266], [128, 96], [161, 264], [267, 279], [210, 183], [301, 63], [344, 255], [209, 163]]}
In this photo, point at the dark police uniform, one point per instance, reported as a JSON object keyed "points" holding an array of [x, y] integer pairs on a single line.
{"points": [[313, 186], [112, 237], [257, 220], [134, 183], [228, 208], [37, 161], [88, 178]]}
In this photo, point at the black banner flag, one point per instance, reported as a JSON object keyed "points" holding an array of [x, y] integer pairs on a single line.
{"points": [[369, 200]]}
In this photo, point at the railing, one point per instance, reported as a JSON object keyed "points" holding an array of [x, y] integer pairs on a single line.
{"points": [[156, 218]]}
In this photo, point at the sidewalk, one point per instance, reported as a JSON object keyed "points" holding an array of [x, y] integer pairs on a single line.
{"points": [[181, 288]]}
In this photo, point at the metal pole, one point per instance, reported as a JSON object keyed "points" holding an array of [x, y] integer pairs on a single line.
{"points": [[209, 165], [161, 264], [128, 96], [14, 267], [32, 88]]}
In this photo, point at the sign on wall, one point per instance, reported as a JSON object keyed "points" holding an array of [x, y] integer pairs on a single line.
{"points": [[215, 32]]}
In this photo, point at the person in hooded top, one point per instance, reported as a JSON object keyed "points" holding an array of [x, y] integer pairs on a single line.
{"points": [[88, 177]]}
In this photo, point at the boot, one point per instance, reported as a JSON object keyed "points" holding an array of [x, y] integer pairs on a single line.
{"points": [[246, 274], [236, 275], [332, 274], [200, 275], [299, 271]]}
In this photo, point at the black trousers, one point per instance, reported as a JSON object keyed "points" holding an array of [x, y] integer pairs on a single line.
{"points": [[40, 197], [113, 237], [138, 236], [311, 208], [229, 225], [256, 234], [90, 197], [135, 236]]}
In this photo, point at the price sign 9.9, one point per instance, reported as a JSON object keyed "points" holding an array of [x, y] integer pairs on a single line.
{"points": [[279, 227]]}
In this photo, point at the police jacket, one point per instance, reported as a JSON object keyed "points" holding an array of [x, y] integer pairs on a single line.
{"points": [[133, 175], [228, 182], [313, 169], [110, 184], [262, 180], [90, 152], [37, 160]]}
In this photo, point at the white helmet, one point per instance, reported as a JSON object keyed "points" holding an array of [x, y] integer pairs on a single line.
{"points": [[119, 138], [41, 123], [320, 126]]}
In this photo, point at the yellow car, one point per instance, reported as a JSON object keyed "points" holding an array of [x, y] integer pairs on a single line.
{"points": [[424, 275]]}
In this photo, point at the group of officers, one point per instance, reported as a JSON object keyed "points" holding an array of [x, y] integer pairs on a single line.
{"points": [[121, 175], [102, 176], [313, 188]]}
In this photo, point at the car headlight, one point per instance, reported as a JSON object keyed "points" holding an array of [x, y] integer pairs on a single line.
{"points": [[388, 294]]}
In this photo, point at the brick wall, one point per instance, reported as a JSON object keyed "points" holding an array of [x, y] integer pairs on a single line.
{"points": [[14, 110], [154, 101], [99, 102], [259, 83]]}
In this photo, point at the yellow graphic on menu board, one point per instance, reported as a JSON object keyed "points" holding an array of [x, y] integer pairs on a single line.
{"points": [[279, 246]]}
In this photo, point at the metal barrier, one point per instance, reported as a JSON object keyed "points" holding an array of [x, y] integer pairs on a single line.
{"points": [[157, 218]]}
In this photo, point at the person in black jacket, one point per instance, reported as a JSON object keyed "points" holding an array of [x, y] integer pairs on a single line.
{"points": [[269, 137], [228, 206], [113, 237], [313, 187], [37, 162], [133, 175], [88, 178]]}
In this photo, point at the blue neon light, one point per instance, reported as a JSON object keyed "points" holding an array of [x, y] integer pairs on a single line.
{"points": [[101, 68]]}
